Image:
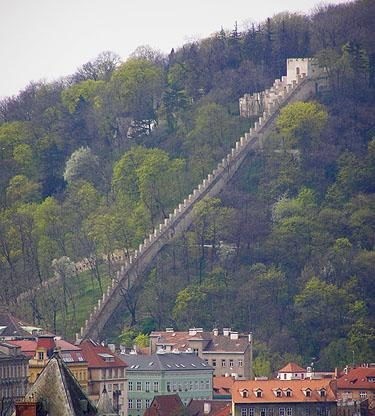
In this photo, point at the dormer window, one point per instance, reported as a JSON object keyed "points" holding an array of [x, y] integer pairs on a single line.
{"points": [[258, 393], [288, 393], [307, 392], [278, 393], [244, 393], [322, 393]]}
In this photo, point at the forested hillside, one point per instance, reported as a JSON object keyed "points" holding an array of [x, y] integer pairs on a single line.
{"points": [[91, 163]]}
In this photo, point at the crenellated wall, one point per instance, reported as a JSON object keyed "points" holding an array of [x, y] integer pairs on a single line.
{"points": [[181, 218]]}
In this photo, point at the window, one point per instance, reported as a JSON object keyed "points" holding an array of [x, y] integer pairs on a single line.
{"points": [[207, 384], [284, 376], [147, 403], [147, 386], [251, 411], [231, 364], [259, 393], [168, 385], [213, 362], [130, 387], [278, 393], [297, 71], [245, 393], [322, 393], [288, 393], [306, 411], [130, 404], [223, 363], [263, 412], [40, 355], [308, 393], [156, 386], [139, 404], [270, 411], [139, 386], [243, 412], [195, 351], [289, 411], [240, 363], [363, 394], [281, 411]]}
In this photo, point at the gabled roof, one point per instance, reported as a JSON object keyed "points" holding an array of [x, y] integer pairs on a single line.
{"points": [[217, 407], [358, 378], [11, 326], [292, 368], [57, 385], [270, 387], [167, 362], [165, 405], [98, 356]]}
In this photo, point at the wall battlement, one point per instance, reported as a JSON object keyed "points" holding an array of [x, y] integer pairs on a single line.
{"points": [[181, 218], [253, 105]]}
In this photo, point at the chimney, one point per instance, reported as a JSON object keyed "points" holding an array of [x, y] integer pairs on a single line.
{"points": [[192, 331], [112, 347], [206, 408], [234, 335], [46, 342], [250, 337], [26, 409], [226, 332], [215, 332]]}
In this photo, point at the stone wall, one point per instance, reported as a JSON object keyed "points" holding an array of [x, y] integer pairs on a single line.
{"points": [[178, 221]]}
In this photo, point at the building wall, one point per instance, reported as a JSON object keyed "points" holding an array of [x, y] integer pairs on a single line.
{"points": [[13, 380], [285, 409], [228, 364], [114, 381], [188, 384]]}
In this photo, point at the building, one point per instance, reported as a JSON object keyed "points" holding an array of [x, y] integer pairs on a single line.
{"points": [[222, 387], [355, 386], [158, 374], [13, 376], [169, 404], [292, 371], [12, 327], [40, 350], [229, 353], [106, 373], [209, 408], [56, 392], [283, 398]]}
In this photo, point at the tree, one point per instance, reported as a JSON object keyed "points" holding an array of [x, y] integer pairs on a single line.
{"points": [[82, 164], [321, 309], [137, 86], [100, 68]]}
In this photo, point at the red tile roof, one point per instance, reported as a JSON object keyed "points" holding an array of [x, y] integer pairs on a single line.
{"points": [[223, 385], [270, 387], [218, 343], [165, 405], [69, 352], [217, 407], [28, 347], [358, 378], [292, 368], [99, 356]]}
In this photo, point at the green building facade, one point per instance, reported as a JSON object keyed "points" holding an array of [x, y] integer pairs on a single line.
{"points": [[166, 373]]}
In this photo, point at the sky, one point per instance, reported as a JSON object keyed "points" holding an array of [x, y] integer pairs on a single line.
{"points": [[48, 39]]}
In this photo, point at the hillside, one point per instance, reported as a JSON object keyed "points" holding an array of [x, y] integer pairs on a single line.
{"points": [[91, 164]]}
